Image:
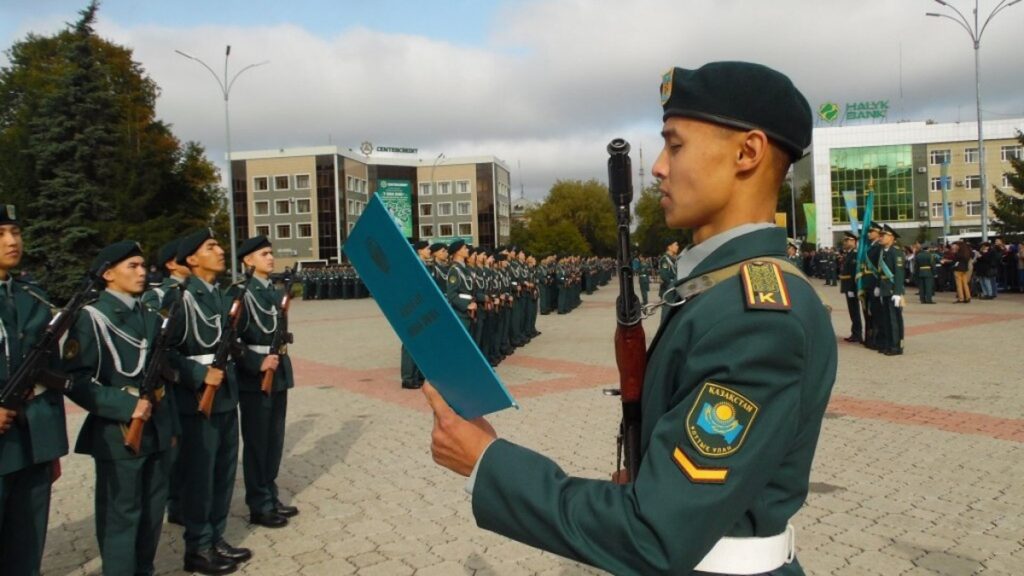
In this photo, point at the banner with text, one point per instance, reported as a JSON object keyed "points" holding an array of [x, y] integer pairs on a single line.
{"points": [[396, 195]]}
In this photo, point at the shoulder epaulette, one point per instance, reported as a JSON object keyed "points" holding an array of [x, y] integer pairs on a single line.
{"points": [[764, 287]]}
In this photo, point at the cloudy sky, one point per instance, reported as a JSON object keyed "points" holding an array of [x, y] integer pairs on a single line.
{"points": [[542, 84]]}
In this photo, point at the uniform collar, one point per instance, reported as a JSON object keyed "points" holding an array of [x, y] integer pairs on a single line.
{"points": [[207, 285], [263, 283], [128, 300], [692, 257]]}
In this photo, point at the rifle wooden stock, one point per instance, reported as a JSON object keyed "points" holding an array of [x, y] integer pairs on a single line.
{"points": [[224, 347], [281, 337], [207, 398], [631, 358], [267, 383], [133, 435]]}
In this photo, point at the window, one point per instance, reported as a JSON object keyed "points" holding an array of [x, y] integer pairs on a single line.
{"points": [[362, 186], [305, 230], [936, 209], [972, 181], [1007, 153], [465, 229], [446, 231], [260, 184], [263, 230], [280, 182], [974, 208], [444, 188], [462, 187], [282, 207], [426, 231], [427, 210], [971, 155], [351, 206], [938, 157], [302, 181], [283, 231], [261, 208], [1006, 181], [444, 208], [350, 184], [462, 208], [351, 225], [425, 188], [302, 206]]}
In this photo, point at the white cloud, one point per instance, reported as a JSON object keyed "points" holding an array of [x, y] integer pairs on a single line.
{"points": [[558, 78]]}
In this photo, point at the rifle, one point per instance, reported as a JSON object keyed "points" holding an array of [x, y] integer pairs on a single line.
{"points": [[226, 346], [630, 344], [282, 338], [34, 368], [157, 373]]}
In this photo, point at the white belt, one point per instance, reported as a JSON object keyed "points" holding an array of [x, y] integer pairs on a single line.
{"points": [[465, 296], [206, 359], [259, 349], [750, 555]]}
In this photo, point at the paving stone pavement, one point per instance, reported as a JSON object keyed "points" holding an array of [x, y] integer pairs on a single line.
{"points": [[918, 468]]}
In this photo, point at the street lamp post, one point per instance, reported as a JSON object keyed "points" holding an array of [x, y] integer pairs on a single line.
{"points": [[433, 189], [975, 33], [225, 89]]}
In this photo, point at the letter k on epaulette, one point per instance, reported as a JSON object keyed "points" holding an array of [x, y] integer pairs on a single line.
{"points": [[764, 287]]}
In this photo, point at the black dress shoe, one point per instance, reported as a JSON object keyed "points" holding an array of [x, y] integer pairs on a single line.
{"points": [[208, 562], [284, 510], [894, 352], [229, 552], [412, 385], [852, 339], [268, 519]]}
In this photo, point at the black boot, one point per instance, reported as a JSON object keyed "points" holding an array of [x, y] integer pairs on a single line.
{"points": [[268, 519], [229, 552], [290, 511], [208, 562]]}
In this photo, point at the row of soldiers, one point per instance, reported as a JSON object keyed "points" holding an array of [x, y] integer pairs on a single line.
{"points": [[875, 288], [185, 382], [332, 283], [498, 294]]}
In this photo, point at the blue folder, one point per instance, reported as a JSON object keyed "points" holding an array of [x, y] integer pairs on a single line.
{"points": [[421, 316]]}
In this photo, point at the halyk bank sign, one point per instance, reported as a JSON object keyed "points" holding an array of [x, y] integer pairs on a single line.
{"points": [[866, 110]]}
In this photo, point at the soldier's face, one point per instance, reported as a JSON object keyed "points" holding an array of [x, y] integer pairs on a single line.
{"points": [[129, 276], [887, 239], [11, 246], [262, 260], [209, 256]]}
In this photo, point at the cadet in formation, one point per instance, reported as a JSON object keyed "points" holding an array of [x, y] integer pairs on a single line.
{"points": [[731, 414], [891, 290], [107, 354], [870, 290], [848, 286], [926, 263], [667, 273], [642, 270], [30, 443], [412, 378]]}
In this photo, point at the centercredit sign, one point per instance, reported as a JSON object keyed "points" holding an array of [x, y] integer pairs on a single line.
{"points": [[866, 110]]}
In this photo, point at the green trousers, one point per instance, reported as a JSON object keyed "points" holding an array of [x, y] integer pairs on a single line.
{"points": [[263, 423], [209, 458], [130, 499], [24, 511], [410, 371], [927, 288]]}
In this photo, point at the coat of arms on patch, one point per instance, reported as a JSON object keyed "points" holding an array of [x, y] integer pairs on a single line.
{"points": [[719, 420], [666, 86]]}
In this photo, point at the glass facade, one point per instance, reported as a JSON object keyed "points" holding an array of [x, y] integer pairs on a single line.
{"points": [[888, 170]]}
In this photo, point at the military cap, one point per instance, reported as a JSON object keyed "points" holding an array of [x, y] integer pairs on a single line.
{"points": [[500, 257], [740, 95], [251, 245], [888, 230], [189, 244], [850, 235], [114, 254], [420, 245], [876, 226], [8, 214], [455, 246], [168, 251], [437, 247]]}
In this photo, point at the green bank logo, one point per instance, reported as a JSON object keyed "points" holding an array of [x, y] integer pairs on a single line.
{"points": [[829, 111]]}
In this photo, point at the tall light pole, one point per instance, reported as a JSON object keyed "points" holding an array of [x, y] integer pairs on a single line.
{"points": [[975, 32], [225, 89], [433, 192]]}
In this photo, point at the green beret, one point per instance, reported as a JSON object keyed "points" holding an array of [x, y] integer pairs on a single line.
{"points": [[420, 245], [500, 257], [189, 244], [740, 95], [251, 245], [168, 251], [114, 254], [437, 247], [455, 246], [8, 214]]}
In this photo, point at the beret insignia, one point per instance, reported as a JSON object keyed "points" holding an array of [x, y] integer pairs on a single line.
{"points": [[666, 85]]}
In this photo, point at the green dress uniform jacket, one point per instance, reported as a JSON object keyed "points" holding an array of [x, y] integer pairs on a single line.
{"points": [[758, 379], [891, 275], [208, 455], [848, 286], [925, 264], [155, 296], [27, 449], [263, 417], [666, 272], [460, 291], [131, 489]]}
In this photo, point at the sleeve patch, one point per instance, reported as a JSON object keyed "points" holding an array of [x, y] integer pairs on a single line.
{"points": [[764, 287], [719, 420], [71, 349], [695, 473]]}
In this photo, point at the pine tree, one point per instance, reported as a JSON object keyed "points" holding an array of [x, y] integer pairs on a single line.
{"points": [[1009, 207], [72, 141]]}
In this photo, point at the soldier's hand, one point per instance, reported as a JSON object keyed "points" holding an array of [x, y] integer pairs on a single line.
{"points": [[620, 476], [456, 443], [472, 306], [214, 376], [143, 410], [6, 419], [270, 362]]}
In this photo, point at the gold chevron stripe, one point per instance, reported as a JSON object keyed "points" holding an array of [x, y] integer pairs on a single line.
{"points": [[696, 473]]}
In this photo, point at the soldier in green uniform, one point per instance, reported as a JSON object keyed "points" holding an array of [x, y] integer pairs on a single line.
{"points": [[738, 376], [891, 290], [439, 252], [848, 286], [262, 415], [643, 273], [870, 288], [106, 355], [667, 272], [412, 378], [209, 446], [30, 448], [459, 286], [175, 274], [925, 263]]}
